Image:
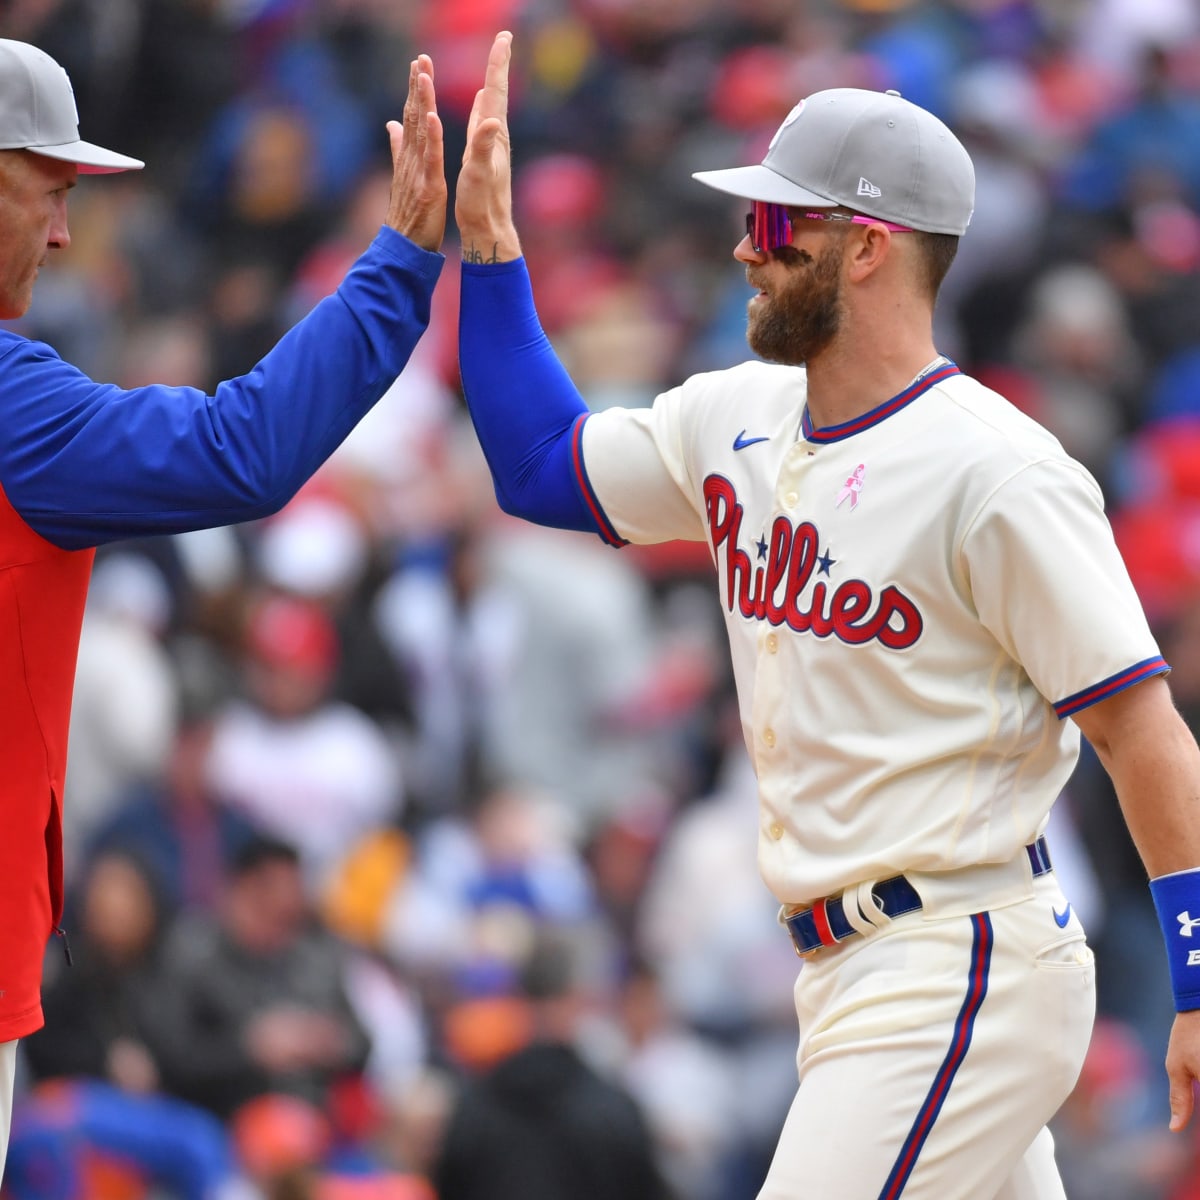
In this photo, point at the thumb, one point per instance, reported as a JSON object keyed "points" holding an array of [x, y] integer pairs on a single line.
{"points": [[486, 136]]}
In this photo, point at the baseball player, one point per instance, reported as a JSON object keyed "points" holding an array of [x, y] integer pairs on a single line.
{"points": [[924, 606], [83, 463]]}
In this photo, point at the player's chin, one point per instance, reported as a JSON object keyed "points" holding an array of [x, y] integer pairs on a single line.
{"points": [[765, 347]]}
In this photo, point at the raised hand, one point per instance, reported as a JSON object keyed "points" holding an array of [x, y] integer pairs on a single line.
{"points": [[417, 205], [483, 200]]}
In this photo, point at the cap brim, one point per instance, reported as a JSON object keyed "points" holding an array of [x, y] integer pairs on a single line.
{"points": [[90, 159], [761, 183]]}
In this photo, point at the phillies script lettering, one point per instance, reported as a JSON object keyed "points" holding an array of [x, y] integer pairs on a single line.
{"points": [[778, 590]]}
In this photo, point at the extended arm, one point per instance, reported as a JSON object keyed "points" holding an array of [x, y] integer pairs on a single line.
{"points": [[527, 412], [84, 463], [1154, 763]]}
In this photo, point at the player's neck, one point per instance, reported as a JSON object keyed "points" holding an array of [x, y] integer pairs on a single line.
{"points": [[850, 379]]}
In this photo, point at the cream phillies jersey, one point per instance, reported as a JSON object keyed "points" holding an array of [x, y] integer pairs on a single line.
{"points": [[915, 599]]}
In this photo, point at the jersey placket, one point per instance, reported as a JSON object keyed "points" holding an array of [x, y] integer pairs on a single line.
{"points": [[775, 707]]}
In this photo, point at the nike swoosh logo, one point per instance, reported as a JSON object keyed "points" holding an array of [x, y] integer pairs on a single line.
{"points": [[1061, 919], [742, 441]]}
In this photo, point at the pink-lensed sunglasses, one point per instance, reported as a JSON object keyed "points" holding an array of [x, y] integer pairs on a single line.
{"points": [[769, 226]]}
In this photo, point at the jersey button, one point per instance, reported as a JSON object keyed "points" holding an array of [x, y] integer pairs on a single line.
{"points": [[772, 643], [790, 499], [776, 831], [769, 738]]}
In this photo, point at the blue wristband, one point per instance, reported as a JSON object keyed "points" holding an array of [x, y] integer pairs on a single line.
{"points": [[1177, 900]]}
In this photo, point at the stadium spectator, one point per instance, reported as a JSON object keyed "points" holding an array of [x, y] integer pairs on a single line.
{"points": [[255, 995]]}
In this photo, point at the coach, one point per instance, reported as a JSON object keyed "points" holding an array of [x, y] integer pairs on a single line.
{"points": [[83, 463]]}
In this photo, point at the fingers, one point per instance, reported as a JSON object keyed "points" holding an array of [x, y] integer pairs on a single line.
{"points": [[420, 100], [434, 146], [492, 100], [417, 202], [426, 100], [420, 110], [410, 103], [427, 136]]}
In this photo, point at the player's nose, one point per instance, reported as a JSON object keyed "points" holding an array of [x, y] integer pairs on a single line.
{"points": [[745, 252], [59, 235]]}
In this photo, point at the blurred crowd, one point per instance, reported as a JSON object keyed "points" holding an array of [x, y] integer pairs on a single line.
{"points": [[411, 851]]}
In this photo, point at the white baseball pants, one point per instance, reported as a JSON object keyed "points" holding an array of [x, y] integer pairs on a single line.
{"points": [[935, 1048], [8, 1078]]}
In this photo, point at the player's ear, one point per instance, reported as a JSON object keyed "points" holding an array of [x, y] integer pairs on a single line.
{"points": [[866, 252]]}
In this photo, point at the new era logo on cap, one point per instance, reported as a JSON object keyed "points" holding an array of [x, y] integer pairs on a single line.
{"points": [[921, 175]]}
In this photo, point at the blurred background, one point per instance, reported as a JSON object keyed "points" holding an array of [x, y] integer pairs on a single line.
{"points": [[411, 851]]}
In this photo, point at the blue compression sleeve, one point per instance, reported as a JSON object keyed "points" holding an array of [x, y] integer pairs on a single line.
{"points": [[522, 401]]}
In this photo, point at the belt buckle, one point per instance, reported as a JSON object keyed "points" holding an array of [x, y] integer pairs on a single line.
{"points": [[796, 911]]}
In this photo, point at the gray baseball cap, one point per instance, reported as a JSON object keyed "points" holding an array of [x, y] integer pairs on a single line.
{"points": [[38, 113], [874, 152]]}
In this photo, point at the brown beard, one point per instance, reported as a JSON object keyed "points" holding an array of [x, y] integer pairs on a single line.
{"points": [[802, 318]]}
